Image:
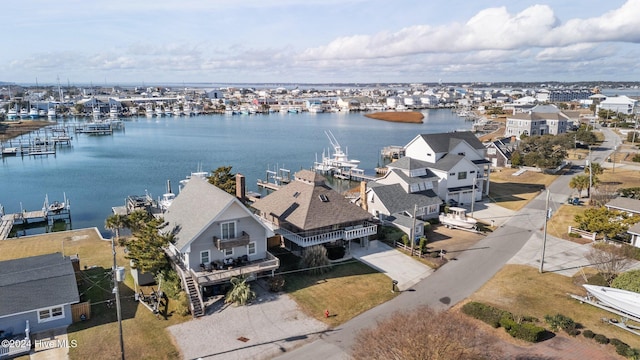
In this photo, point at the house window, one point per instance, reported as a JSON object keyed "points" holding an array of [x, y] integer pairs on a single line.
{"points": [[452, 174], [50, 314], [462, 175], [204, 257], [228, 252], [251, 248], [228, 230]]}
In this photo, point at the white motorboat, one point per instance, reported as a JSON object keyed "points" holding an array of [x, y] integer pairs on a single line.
{"points": [[10, 151], [338, 162], [114, 113], [457, 218], [12, 114], [625, 301], [167, 198]]}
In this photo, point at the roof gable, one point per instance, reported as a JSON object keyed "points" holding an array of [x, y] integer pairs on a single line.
{"points": [[197, 206], [442, 142]]}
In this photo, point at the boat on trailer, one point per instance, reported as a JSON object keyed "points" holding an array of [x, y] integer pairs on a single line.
{"points": [[624, 301], [457, 218]]}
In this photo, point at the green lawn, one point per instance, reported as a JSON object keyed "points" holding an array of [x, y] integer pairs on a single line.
{"points": [[349, 289]]}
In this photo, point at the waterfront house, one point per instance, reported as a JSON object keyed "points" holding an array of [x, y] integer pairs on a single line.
{"points": [[404, 197], [459, 161], [216, 238], [307, 212], [36, 294]]}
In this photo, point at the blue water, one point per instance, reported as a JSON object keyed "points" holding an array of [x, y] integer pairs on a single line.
{"points": [[98, 172]]}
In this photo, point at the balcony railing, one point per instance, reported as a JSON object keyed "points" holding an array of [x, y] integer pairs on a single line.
{"points": [[348, 233], [204, 278], [225, 244]]}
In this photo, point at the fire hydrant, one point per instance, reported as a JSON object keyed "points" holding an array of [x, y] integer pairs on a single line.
{"points": [[326, 313]]}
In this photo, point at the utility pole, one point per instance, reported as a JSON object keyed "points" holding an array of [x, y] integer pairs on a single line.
{"points": [[473, 195], [590, 175], [544, 236], [116, 289]]}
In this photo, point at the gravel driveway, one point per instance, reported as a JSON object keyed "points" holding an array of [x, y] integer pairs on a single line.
{"points": [[273, 324]]}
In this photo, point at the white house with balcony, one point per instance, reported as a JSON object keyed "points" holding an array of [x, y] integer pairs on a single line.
{"points": [[306, 212], [619, 104], [216, 237]]}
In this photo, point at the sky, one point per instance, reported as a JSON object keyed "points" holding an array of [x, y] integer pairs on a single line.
{"points": [[318, 41]]}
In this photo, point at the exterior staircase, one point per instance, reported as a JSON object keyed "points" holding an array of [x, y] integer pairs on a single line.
{"points": [[195, 301], [194, 298]]}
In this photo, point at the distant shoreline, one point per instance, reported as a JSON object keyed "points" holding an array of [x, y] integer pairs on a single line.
{"points": [[413, 117]]}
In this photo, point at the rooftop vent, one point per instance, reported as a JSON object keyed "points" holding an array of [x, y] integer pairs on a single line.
{"points": [[323, 197]]}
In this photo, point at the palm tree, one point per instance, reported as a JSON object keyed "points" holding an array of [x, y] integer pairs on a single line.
{"points": [[579, 182], [594, 167], [241, 292], [114, 223]]}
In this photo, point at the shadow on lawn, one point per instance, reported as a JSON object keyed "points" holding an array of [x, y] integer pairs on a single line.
{"points": [[95, 286], [297, 278], [507, 191]]}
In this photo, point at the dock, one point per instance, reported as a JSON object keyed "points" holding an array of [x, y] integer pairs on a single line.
{"points": [[268, 185], [46, 216]]}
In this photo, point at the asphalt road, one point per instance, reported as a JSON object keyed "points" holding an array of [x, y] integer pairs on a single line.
{"points": [[461, 278]]}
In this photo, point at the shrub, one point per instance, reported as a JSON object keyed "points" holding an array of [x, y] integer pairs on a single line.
{"points": [[622, 349], [171, 284], [315, 258], [560, 321], [574, 235], [335, 252], [435, 254], [527, 331], [276, 283], [486, 313], [588, 334], [616, 342], [601, 339]]}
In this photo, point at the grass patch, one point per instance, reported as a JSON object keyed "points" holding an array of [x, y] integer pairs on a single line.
{"points": [[514, 192], [521, 290], [348, 290], [561, 219], [98, 338]]}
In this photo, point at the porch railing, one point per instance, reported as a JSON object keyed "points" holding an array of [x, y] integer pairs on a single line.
{"points": [[270, 262]]}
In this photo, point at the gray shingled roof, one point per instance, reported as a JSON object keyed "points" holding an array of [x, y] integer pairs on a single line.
{"points": [[442, 142], [396, 200], [447, 162], [635, 229], [198, 205], [417, 179], [299, 204], [625, 203], [407, 163], [538, 116], [36, 282]]}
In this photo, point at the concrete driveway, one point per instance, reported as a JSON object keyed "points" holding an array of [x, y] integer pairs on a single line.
{"points": [[393, 263], [270, 326]]}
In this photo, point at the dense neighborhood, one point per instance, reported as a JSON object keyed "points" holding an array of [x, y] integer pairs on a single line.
{"points": [[215, 253]]}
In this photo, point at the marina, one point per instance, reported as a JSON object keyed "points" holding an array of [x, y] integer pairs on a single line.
{"points": [[99, 172]]}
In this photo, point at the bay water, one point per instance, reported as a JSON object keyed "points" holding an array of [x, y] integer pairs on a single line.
{"points": [[99, 172]]}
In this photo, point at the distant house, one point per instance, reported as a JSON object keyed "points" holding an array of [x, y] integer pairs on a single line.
{"points": [[619, 104], [631, 207], [216, 238], [628, 205], [499, 152], [36, 294], [536, 123], [307, 212]]}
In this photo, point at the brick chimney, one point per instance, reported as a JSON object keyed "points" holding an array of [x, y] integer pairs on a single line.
{"points": [[363, 195], [241, 187]]}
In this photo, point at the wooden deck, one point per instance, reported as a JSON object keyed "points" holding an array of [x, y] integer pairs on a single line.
{"points": [[8, 220], [204, 278]]}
